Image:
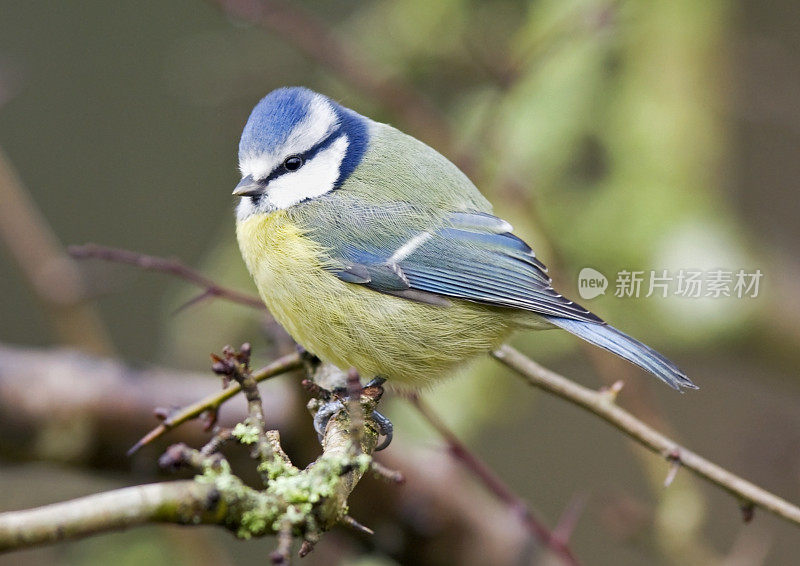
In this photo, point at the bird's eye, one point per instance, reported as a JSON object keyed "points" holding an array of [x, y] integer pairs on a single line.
{"points": [[293, 163]]}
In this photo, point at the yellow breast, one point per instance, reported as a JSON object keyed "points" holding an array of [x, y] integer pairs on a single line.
{"points": [[352, 326]]}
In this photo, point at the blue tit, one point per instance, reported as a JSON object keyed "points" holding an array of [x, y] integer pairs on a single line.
{"points": [[375, 252]]}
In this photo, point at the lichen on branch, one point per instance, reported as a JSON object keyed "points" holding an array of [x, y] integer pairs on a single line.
{"points": [[291, 502]]}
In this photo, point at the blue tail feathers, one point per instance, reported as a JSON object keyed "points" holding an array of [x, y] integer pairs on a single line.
{"points": [[616, 342]]}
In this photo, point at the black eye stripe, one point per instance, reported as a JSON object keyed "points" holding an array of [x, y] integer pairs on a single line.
{"points": [[304, 157]]}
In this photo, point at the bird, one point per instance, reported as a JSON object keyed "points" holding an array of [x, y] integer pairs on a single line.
{"points": [[376, 252]]}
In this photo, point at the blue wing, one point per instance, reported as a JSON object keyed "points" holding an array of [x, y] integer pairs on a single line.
{"points": [[471, 256]]}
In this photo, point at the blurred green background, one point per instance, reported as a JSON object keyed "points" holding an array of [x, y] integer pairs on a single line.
{"points": [[613, 135]]}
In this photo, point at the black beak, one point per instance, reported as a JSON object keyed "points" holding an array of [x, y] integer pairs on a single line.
{"points": [[249, 187]]}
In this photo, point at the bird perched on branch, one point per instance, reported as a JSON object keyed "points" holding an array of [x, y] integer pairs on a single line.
{"points": [[376, 252]]}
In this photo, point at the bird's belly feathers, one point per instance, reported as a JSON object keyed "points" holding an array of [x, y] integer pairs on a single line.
{"points": [[352, 326]]}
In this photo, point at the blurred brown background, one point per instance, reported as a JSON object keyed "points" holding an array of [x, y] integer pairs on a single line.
{"points": [[615, 135]]}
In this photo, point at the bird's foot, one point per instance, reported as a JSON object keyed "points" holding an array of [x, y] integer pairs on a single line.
{"points": [[337, 403], [385, 426], [324, 414]]}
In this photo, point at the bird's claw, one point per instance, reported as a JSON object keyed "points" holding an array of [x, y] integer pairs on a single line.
{"points": [[376, 382], [385, 428], [324, 415], [329, 409]]}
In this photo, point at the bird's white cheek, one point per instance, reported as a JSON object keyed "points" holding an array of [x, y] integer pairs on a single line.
{"points": [[315, 178]]}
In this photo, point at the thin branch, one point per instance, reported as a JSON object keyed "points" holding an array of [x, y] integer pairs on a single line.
{"points": [[354, 408], [183, 502], [356, 526], [235, 366], [280, 556], [602, 405], [282, 365], [570, 517], [53, 276], [164, 265], [494, 484]]}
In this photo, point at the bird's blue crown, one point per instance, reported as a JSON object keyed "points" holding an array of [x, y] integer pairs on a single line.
{"points": [[296, 120]]}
